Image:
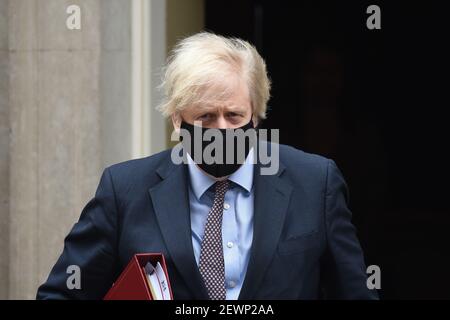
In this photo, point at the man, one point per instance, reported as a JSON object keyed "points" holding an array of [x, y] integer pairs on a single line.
{"points": [[227, 230]]}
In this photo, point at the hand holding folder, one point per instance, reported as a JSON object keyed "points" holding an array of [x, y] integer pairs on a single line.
{"points": [[144, 278]]}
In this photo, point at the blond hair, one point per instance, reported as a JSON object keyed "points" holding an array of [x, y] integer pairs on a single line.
{"points": [[206, 60]]}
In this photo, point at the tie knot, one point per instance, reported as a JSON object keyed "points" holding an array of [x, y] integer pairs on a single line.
{"points": [[222, 186]]}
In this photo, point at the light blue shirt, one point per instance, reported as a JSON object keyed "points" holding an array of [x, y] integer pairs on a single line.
{"points": [[237, 223]]}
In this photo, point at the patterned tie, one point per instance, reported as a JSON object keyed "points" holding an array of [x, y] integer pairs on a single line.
{"points": [[211, 265]]}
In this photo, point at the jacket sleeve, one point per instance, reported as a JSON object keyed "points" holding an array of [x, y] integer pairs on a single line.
{"points": [[91, 247], [343, 268]]}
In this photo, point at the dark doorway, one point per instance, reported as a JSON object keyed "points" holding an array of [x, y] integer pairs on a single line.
{"points": [[374, 101]]}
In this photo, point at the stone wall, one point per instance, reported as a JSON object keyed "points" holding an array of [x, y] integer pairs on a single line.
{"points": [[64, 116]]}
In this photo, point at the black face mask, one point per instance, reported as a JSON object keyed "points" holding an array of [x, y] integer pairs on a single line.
{"points": [[219, 168]]}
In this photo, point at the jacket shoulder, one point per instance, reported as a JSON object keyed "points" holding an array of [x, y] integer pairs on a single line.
{"points": [[137, 173], [304, 166], [291, 156], [146, 163]]}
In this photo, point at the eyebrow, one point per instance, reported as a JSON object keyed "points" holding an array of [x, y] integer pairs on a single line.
{"points": [[205, 107]]}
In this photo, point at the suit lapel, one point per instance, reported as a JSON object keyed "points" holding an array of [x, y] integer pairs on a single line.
{"points": [[271, 200], [170, 200]]}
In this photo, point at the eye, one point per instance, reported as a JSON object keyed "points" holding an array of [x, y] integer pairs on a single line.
{"points": [[205, 117], [233, 114]]}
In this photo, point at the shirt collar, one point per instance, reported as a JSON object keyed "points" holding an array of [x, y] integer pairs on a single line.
{"points": [[200, 182]]}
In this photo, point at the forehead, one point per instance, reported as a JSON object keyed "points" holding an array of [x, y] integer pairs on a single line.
{"points": [[229, 94]]}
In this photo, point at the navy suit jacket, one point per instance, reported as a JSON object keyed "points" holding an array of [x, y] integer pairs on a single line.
{"points": [[304, 244]]}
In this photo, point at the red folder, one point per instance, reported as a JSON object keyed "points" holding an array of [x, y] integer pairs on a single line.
{"points": [[132, 283]]}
